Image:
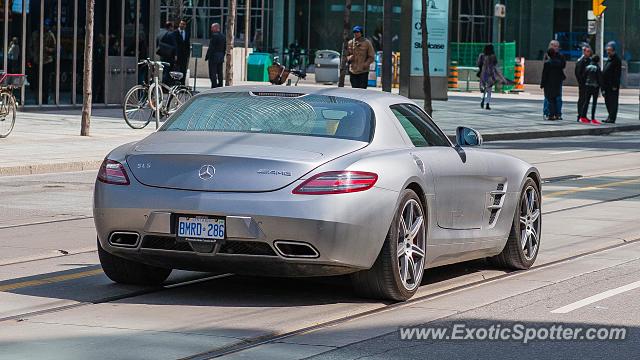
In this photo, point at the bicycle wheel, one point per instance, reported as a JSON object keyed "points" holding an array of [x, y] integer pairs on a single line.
{"points": [[177, 98], [155, 104], [136, 107], [7, 114]]}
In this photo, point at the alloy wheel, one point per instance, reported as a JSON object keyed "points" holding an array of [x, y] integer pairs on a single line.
{"points": [[529, 222], [411, 245]]}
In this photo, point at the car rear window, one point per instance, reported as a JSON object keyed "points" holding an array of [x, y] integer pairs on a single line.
{"points": [[274, 113]]}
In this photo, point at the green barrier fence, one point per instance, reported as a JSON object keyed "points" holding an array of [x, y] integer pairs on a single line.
{"points": [[466, 54]]}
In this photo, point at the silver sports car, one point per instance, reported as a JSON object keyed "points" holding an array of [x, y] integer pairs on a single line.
{"points": [[283, 181]]}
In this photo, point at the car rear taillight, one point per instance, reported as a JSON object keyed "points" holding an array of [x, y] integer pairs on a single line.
{"points": [[112, 172], [337, 182]]}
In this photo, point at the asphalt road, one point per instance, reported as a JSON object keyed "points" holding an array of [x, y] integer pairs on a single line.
{"points": [[55, 303]]}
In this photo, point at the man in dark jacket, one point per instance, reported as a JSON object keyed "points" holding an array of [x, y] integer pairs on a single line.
{"points": [[552, 77], [215, 55], [167, 49], [580, 73], [611, 73], [183, 39]]}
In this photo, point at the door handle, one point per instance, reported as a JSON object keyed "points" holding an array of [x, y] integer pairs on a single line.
{"points": [[115, 71], [131, 71]]}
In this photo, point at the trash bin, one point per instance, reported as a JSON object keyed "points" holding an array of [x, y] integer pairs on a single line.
{"points": [[327, 66], [257, 65]]}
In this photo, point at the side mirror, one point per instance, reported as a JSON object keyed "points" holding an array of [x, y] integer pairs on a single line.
{"points": [[468, 137]]}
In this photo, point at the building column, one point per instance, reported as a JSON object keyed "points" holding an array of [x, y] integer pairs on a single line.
{"points": [[277, 32]]}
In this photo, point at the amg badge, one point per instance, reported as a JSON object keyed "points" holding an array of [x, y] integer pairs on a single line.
{"points": [[274, 172]]}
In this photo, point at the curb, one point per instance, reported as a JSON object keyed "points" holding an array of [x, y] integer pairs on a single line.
{"points": [[50, 168], [521, 135], [540, 134]]}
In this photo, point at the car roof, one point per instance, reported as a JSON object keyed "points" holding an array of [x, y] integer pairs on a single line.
{"points": [[370, 97]]}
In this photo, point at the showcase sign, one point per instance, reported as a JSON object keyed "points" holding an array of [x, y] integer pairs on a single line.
{"points": [[438, 26]]}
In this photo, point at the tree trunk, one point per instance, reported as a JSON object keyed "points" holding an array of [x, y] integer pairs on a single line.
{"points": [[426, 85], [231, 30], [87, 71], [346, 35], [387, 57]]}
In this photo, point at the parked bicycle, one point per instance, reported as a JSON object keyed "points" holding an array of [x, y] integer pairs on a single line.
{"points": [[8, 103], [278, 73], [154, 99]]}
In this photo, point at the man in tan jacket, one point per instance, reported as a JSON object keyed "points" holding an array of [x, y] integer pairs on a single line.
{"points": [[360, 55]]}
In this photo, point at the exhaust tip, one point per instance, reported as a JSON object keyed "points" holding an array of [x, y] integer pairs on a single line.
{"points": [[124, 239], [296, 249]]}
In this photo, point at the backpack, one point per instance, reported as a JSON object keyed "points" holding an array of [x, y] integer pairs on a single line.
{"points": [[165, 50]]}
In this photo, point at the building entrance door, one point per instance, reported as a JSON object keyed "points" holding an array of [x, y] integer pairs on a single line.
{"points": [[126, 37]]}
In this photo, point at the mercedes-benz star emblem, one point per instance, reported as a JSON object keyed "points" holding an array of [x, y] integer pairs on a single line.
{"points": [[206, 172]]}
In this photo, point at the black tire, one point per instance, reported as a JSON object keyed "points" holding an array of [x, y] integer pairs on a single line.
{"points": [[515, 255], [7, 114], [136, 108], [383, 280], [125, 271], [177, 99]]}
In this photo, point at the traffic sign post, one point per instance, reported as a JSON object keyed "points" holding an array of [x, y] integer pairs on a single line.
{"points": [[598, 11], [196, 53]]}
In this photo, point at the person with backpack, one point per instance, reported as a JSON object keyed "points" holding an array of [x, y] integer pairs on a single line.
{"points": [[592, 83], [167, 50], [581, 75], [554, 45], [552, 77]]}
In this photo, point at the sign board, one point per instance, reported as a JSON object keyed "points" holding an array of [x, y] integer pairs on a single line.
{"points": [[196, 50], [438, 26], [500, 11], [591, 27], [590, 15]]}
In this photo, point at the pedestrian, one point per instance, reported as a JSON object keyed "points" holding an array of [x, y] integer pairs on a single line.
{"points": [[555, 46], [167, 50], [489, 74], [183, 40], [360, 56], [580, 73], [215, 55], [551, 83], [13, 56], [592, 84], [611, 82], [49, 59]]}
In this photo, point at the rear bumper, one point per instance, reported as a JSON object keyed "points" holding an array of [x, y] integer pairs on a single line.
{"points": [[347, 230]]}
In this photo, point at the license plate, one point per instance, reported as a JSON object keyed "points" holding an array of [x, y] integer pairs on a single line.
{"points": [[200, 228]]}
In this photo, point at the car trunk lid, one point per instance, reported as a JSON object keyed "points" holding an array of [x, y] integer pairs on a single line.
{"points": [[232, 162]]}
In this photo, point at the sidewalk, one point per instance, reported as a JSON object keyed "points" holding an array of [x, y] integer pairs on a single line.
{"points": [[48, 141]]}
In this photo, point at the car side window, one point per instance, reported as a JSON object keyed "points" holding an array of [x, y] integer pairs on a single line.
{"points": [[420, 129]]}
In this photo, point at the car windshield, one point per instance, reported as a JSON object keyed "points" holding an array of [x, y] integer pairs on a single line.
{"points": [[276, 113]]}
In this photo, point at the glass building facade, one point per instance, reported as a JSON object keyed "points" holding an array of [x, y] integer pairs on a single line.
{"points": [[532, 23], [44, 39]]}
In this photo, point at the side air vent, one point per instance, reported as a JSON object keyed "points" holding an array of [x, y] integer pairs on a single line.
{"points": [[495, 203], [492, 217], [275, 93]]}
